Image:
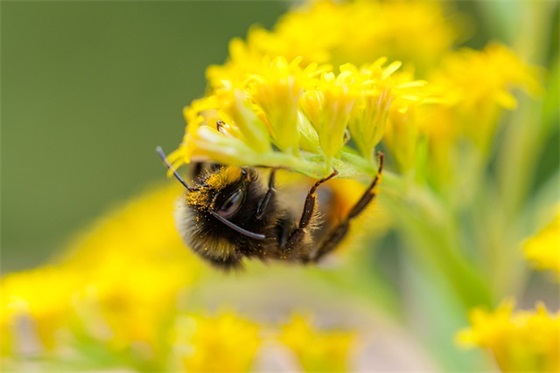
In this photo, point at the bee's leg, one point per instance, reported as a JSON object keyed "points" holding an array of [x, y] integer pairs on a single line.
{"points": [[309, 207], [263, 204], [340, 231]]}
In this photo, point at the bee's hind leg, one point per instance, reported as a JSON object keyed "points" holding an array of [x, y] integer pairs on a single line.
{"points": [[339, 232], [297, 235]]}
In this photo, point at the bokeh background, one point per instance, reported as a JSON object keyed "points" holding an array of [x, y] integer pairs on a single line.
{"points": [[89, 89]]}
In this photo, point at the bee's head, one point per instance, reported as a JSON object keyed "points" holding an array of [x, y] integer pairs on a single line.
{"points": [[217, 217]]}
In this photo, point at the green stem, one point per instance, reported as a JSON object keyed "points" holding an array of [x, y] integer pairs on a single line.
{"points": [[522, 147], [433, 238]]}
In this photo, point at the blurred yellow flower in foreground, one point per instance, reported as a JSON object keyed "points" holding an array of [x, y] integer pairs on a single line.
{"points": [[543, 249], [135, 267], [318, 350], [119, 283], [228, 342], [222, 343], [35, 307], [518, 341]]}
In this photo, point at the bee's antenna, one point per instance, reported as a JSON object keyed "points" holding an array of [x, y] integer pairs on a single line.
{"points": [[237, 228], [159, 150]]}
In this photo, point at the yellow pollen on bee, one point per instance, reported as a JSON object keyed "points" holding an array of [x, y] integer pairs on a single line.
{"points": [[227, 175], [197, 198]]}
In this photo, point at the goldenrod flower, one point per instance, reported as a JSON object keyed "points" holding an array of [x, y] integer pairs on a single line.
{"points": [[277, 103], [518, 341], [543, 249], [221, 343], [284, 115], [328, 107], [317, 350], [276, 91]]}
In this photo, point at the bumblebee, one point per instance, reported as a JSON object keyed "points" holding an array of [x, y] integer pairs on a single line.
{"points": [[228, 213]]}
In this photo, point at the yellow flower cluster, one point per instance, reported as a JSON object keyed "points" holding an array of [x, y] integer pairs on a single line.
{"points": [[229, 343], [317, 351], [118, 284], [520, 341], [282, 114], [223, 343]]}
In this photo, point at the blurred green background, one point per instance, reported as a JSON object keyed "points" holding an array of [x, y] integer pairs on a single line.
{"points": [[88, 91]]}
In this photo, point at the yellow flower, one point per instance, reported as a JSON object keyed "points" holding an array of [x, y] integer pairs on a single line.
{"points": [[358, 32], [402, 139], [129, 302], [543, 249], [518, 341], [317, 350], [475, 85], [35, 307], [328, 107], [212, 135], [381, 91], [464, 99], [473, 78], [247, 112], [221, 343], [276, 90]]}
